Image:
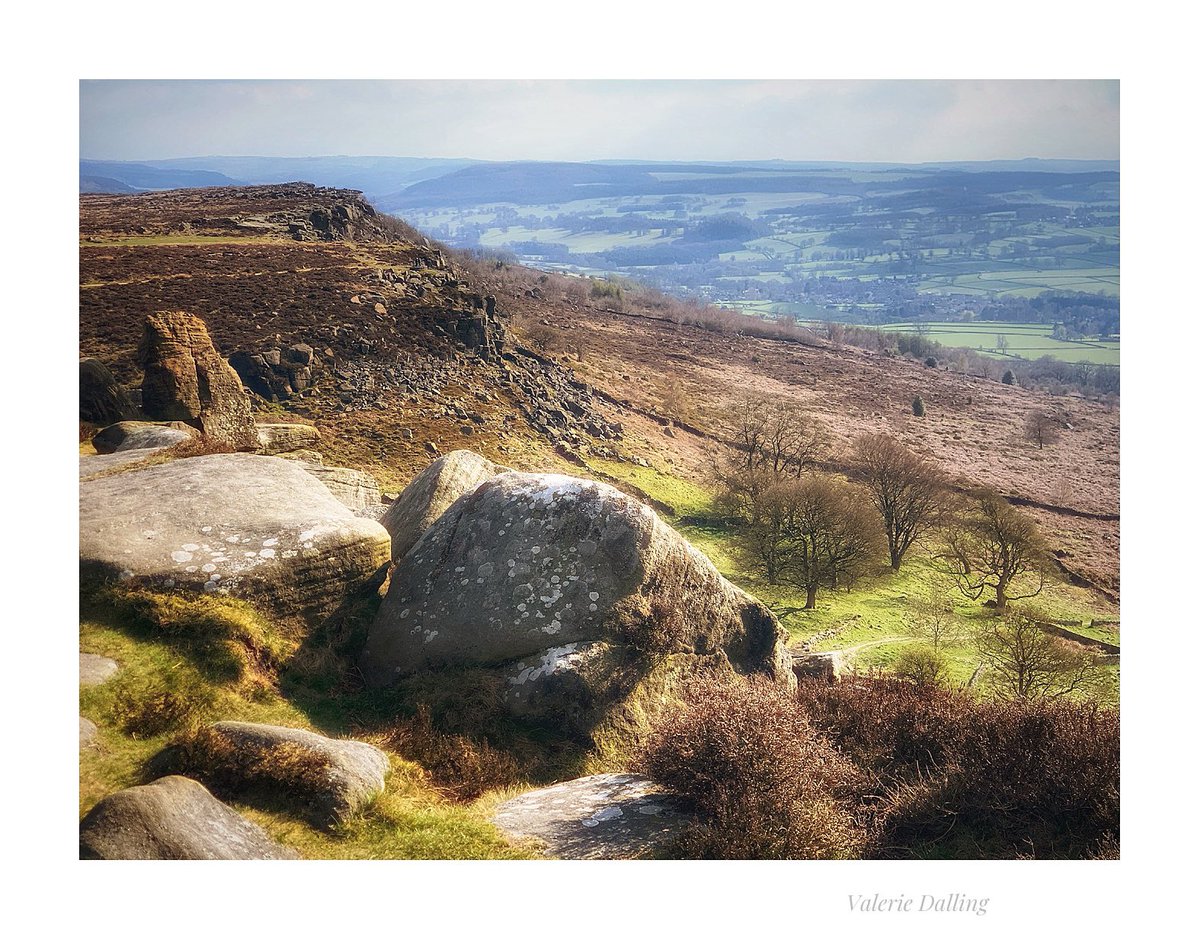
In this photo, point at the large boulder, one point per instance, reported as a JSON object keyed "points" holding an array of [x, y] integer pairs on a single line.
{"points": [[172, 818], [556, 578], [141, 435], [101, 399], [330, 779], [354, 489], [187, 380], [286, 438], [431, 493], [96, 670], [259, 528], [604, 816]]}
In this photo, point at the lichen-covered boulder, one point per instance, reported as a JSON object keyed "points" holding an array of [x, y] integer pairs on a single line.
{"points": [[431, 493], [604, 816], [530, 562], [187, 380], [258, 528], [172, 818], [101, 399], [140, 435], [329, 778]]}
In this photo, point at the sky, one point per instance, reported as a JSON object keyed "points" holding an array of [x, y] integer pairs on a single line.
{"points": [[868, 120]]}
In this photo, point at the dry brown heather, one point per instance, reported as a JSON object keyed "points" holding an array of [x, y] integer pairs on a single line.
{"points": [[257, 288]]}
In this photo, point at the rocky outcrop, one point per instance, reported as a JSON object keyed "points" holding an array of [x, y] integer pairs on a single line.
{"points": [[286, 438], [187, 380], [96, 670], [354, 489], [553, 577], [87, 733], [604, 816], [101, 399], [276, 374], [93, 465], [329, 779], [172, 818], [140, 435], [431, 493], [260, 528]]}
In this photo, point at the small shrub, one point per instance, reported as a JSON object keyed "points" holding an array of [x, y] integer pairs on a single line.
{"points": [[764, 783], [147, 709], [930, 362], [1008, 378], [463, 768], [918, 407], [921, 665]]}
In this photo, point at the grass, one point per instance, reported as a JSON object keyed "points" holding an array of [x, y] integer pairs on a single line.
{"points": [[171, 682], [880, 610], [1025, 340]]}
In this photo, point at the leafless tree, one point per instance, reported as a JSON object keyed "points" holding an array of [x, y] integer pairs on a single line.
{"points": [[934, 620], [908, 490], [1026, 662], [774, 435], [992, 546], [1042, 428]]}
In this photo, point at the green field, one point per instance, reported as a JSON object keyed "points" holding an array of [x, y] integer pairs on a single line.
{"points": [[1025, 341], [874, 619]]}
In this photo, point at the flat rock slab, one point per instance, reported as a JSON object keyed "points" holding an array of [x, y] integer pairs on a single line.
{"points": [[141, 435], [96, 670], [338, 776], [92, 464], [259, 528], [604, 816], [87, 733], [172, 818]]}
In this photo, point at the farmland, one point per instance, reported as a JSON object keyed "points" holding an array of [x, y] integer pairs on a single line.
{"points": [[1023, 341]]}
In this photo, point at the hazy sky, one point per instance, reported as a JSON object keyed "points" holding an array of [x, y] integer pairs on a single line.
{"points": [[902, 121]]}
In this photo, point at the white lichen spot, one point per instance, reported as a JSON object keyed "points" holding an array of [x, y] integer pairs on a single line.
{"points": [[180, 557], [191, 547], [209, 567], [593, 608], [537, 549], [603, 815], [267, 553], [233, 539], [270, 543], [190, 568], [249, 554], [206, 529], [593, 596]]}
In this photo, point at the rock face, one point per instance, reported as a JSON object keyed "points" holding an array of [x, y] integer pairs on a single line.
{"points": [[140, 435], [96, 670], [101, 399], [528, 565], [431, 493], [260, 528], [172, 818], [187, 380], [87, 733], [333, 778], [286, 438], [277, 374], [354, 489], [605, 816]]}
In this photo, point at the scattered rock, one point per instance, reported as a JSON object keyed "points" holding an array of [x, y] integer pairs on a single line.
{"points": [[186, 380], [172, 818], [141, 435], [334, 778], [101, 399], [285, 438], [604, 816], [260, 528], [87, 733], [431, 493], [96, 670]]}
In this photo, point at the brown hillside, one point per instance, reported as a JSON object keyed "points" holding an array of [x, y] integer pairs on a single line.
{"points": [[409, 351]]}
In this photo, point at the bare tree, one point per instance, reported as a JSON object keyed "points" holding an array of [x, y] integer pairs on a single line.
{"points": [[832, 536], [1042, 428], [774, 435], [935, 622], [908, 490], [1027, 662], [992, 546]]}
